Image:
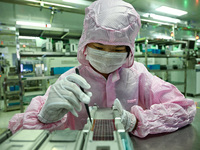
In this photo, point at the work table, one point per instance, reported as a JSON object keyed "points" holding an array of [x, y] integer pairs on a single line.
{"points": [[186, 138]]}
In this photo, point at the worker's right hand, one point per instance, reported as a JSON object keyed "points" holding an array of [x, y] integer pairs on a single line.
{"points": [[64, 96]]}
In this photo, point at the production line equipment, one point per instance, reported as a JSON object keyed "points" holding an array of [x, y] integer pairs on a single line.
{"points": [[106, 132]]}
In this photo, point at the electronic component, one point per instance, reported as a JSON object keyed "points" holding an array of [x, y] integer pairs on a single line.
{"points": [[105, 133]]}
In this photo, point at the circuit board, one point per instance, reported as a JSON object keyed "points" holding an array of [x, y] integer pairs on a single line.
{"points": [[103, 130]]}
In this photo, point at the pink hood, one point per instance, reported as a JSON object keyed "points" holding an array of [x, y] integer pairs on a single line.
{"points": [[110, 22]]}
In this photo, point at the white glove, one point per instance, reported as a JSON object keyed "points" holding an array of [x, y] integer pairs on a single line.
{"points": [[64, 96], [127, 119]]}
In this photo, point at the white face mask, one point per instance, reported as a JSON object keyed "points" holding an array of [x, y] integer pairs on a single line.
{"points": [[105, 62]]}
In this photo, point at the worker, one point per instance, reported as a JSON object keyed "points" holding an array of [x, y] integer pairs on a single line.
{"points": [[109, 76]]}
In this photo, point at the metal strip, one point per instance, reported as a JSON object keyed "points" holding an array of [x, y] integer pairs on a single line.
{"points": [[18, 68]]}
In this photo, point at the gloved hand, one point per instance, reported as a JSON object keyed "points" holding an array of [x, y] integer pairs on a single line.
{"points": [[127, 119], [64, 96]]}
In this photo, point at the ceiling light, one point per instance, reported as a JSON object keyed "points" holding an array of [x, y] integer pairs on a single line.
{"points": [[146, 15], [157, 22], [28, 37], [163, 37], [163, 18], [81, 2], [172, 11], [48, 3], [33, 24]]}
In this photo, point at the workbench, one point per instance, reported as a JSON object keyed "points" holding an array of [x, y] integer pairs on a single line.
{"points": [[186, 138]]}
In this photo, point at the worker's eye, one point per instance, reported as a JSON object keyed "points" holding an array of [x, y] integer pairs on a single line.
{"points": [[119, 50], [99, 48]]}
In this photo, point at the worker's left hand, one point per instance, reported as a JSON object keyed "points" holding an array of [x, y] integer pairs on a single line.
{"points": [[127, 119]]}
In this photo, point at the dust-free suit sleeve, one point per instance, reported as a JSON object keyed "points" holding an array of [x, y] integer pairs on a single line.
{"points": [[164, 109], [29, 119]]}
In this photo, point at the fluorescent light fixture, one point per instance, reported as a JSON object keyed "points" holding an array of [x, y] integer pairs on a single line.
{"points": [[146, 15], [117, 118], [28, 37], [81, 2], [48, 3], [121, 130], [33, 24], [198, 40], [158, 22], [163, 18], [171, 11], [164, 37], [42, 4]]}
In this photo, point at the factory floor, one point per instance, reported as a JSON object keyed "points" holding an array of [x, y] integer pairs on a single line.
{"points": [[6, 116]]}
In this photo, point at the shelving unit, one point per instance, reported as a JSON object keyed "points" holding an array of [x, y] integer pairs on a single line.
{"points": [[34, 50], [4, 64], [36, 90], [12, 98], [147, 55], [30, 91]]}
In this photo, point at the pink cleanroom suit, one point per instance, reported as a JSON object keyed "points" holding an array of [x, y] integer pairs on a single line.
{"points": [[158, 105]]}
